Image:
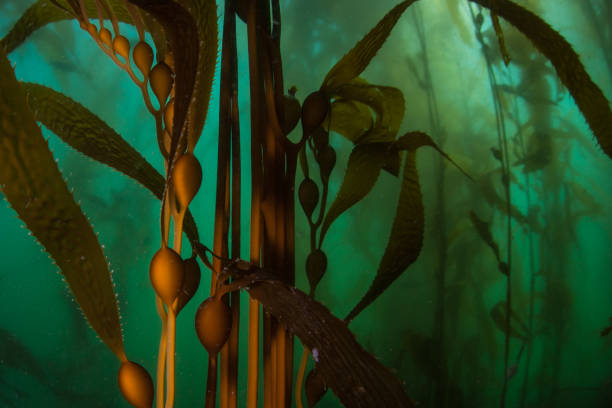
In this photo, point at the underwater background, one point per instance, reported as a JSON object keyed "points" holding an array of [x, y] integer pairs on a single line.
{"points": [[445, 306]]}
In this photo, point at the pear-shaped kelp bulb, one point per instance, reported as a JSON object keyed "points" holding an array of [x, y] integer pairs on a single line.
{"points": [[143, 57], [190, 283], [160, 79], [166, 142], [314, 110], [320, 138], [93, 31], [187, 176], [292, 112], [327, 161], [316, 264], [121, 45], [315, 387], [308, 194], [106, 37], [136, 385], [167, 272], [213, 323], [169, 115]]}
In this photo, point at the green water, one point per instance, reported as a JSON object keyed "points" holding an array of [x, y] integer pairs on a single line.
{"points": [[50, 357]]}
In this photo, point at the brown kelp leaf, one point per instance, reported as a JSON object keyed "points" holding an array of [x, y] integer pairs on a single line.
{"points": [[406, 239], [90, 135], [500, 38], [414, 140], [388, 105], [484, 230], [182, 34], [315, 387], [487, 186], [387, 102], [362, 170], [358, 89], [394, 108], [204, 13], [37, 15], [358, 58], [517, 328], [349, 118], [44, 12], [355, 376], [589, 98], [33, 185], [157, 34]]}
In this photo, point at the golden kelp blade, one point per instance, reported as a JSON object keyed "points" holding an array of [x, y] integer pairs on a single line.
{"points": [[33, 185], [358, 58], [590, 99], [387, 102], [204, 13], [406, 239], [87, 133], [44, 12], [362, 171], [351, 119]]}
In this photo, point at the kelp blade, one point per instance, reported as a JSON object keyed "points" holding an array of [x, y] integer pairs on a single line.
{"points": [[204, 13], [387, 102], [44, 12], [484, 231], [351, 115], [357, 378], [90, 135], [350, 118], [33, 185], [590, 99], [406, 239], [362, 171], [358, 58]]}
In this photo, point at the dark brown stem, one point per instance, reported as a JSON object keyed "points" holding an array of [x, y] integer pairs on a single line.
{"points": [[256, 198], [236, 204], [220, 244]]}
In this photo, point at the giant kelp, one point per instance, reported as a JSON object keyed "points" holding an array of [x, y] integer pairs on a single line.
{"points": [[91, 136], [589, 98], [368, 115], [34, 186]]}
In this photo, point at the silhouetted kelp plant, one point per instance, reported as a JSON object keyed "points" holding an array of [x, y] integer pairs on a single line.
{"points": [[173, 65]]}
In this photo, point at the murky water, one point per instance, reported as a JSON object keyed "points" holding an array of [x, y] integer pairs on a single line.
{"points": [[440, 326]]}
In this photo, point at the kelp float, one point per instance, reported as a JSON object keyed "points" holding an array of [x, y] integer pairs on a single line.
{"points": [[178, 67]]}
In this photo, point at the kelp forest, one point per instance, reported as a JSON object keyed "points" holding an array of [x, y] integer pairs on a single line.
{"points": [[291, 203]]}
